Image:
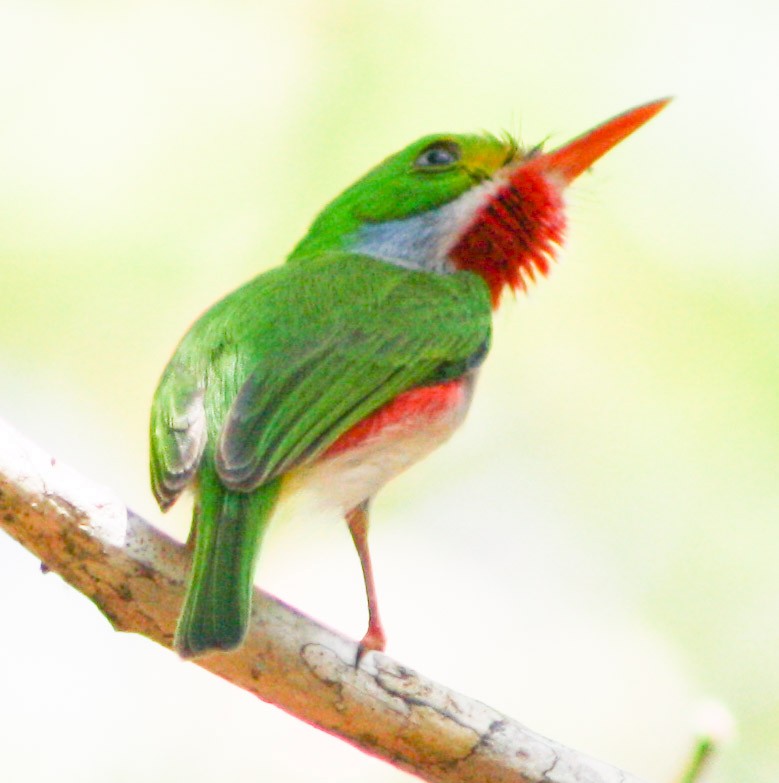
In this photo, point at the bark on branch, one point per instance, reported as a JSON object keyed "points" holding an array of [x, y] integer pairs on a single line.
{"points": [[135, 575]]}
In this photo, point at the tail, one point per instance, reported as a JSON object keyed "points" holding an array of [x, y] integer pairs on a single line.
{"points": [[228, 529]]}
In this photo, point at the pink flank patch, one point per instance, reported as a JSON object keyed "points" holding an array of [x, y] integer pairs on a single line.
{"points": [[414, 408]]}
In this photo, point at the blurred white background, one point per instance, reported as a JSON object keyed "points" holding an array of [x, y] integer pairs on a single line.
{"points": [[595, 552]]}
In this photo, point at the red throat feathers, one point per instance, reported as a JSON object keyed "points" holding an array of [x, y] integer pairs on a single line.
{"points": [[516, 233]]}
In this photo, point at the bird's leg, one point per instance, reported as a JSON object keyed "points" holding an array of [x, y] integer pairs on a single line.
{"points": [[374, 638]]}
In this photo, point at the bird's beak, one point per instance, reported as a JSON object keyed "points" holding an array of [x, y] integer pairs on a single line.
{"points": [[570, 160]]}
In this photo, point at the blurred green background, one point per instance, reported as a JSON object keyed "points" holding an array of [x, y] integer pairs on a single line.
{"points": [[595, 552]]}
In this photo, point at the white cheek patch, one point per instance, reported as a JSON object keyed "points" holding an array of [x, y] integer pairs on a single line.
{"points": [[424, 241]]}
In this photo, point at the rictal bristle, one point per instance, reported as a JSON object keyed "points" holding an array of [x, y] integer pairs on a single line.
{"points": [[514, 234]]}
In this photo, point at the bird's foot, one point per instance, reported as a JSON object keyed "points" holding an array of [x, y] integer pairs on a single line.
{"points": [[373, 641]]}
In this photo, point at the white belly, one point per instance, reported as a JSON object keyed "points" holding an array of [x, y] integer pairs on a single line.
{"points": [[341, 482]]}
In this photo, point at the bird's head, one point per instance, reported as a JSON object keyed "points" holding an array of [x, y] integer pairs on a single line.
{"points": [[453, 202]]}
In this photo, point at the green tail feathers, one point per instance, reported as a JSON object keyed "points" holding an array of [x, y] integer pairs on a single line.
{"points": [[228, 531]]}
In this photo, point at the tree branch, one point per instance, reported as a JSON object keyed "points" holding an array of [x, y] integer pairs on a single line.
{"points": [[135, 575]]}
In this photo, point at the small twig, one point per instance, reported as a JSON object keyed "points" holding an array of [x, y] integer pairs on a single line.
{"points": [[700, 756], [714, 726], [135, 576]]}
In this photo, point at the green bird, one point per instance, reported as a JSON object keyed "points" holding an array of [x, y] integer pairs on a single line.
{"points": [[331, 374]]}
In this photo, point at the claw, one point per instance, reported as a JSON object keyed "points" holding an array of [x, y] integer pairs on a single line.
{"points": [[373, 641]]}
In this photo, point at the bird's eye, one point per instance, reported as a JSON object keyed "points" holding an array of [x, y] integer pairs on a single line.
{"points": [[440, 155]]}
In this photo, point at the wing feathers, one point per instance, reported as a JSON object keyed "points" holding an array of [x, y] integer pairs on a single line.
{"points": [[178, 440], [291, 361]]}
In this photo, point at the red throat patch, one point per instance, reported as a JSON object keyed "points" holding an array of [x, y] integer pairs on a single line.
{"points": [[515, 234]]}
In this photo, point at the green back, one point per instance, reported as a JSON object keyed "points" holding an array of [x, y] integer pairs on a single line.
{"points": [[273, 374]]}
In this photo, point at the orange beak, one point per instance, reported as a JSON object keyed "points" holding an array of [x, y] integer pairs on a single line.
{"points": [[570, 160]]}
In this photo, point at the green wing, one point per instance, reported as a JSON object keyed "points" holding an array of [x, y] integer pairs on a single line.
{"points": [[178, 432], [392, 329], [276, 372]]}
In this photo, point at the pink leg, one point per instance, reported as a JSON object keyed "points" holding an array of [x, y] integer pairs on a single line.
{"points": [[374, 638]]}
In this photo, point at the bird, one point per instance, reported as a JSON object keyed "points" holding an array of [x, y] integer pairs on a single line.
{"points": [[333, 372]]}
